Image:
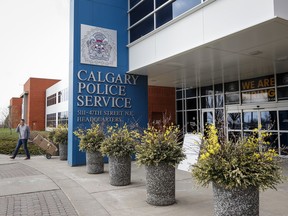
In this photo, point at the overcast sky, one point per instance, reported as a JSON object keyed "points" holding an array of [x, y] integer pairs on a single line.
{"points": [[34, 42]]}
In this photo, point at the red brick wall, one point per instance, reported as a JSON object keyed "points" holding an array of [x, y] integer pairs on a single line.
{"points": [[161, 100], [15, 111], [36, 89]]}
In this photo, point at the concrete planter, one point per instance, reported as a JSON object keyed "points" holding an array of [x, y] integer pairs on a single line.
{"points": [[160, 184], [63, 151], [236, 201], [94, 163], [120, 170]]}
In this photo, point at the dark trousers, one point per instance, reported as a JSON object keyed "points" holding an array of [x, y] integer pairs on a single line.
{"points": [[20, 142]]}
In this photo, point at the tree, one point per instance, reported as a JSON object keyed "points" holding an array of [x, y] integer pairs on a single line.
{"points": [[4, 117]]}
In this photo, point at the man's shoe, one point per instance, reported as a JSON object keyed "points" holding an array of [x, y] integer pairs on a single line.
{"points": [[26, 158], [12, 157]]}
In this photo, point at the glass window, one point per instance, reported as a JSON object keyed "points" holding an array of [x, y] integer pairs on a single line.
{"points": [[63, 117], [234, 121], [164, 15], [234, 136], [283, 120], [190, 93], [232, 98], [219, 118], [63, 95], [207, 102], [179, 94], [160, 2], [208, 90], [191, 104], [192, 124], [273, 141], [142, 28], [284, 143], [257, 96], [51, 120], [219, 100], [250, 120], [142, 8], [249, 134], [232, 87], [133, 3], [258, 83], [181, 6], [218, 89], [180, 119], [179, 105], [141, 11], [282, 79], [51, 100], [282, 93], [207, 118], [268, 120]]}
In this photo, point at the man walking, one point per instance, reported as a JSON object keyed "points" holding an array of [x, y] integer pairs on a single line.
{"points": [[24, 133]]}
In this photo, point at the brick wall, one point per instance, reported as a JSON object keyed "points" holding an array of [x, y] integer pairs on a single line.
{"points": [[161, 100], [36, 89], [15, 111]]}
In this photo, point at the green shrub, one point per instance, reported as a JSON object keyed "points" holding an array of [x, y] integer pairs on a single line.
{"points": [[120, 141], [91, 138], [8, 142], [160, 144], [242, 164], [59, 135]]}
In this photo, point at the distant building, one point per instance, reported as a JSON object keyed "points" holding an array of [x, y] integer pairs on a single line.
{"points": [[160, 100], [33, 103], [15, 111], [44, 103], [56, 105]]}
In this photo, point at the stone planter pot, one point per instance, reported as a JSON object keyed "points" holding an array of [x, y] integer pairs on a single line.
{"points": [[94, 163], [63, 151], [236, 201], [120, 170], [160, 184]]}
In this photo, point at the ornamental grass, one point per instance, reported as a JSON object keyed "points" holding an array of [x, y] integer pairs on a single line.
{"points": [[246, 162], [59, 135], [91, 138], [161, 142], [120, 140]]}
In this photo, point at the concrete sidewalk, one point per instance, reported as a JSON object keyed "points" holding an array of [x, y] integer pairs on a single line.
{"points": [[51, 187]]}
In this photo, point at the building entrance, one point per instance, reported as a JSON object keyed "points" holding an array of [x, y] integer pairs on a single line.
{"points": [[241, 123], [238, 107], [207, 118]]}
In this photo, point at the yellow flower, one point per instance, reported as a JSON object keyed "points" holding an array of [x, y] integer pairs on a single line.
{"points": [[256, 155]]}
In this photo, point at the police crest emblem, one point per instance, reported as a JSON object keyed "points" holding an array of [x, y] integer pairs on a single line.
{"points": [[98, 46]]}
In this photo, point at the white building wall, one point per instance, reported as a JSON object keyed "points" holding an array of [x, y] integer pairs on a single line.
{"points": [[281, 7], [58, 107], [212, 22]]}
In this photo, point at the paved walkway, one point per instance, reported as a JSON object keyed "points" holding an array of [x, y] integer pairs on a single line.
{"points": [[51, 187]]}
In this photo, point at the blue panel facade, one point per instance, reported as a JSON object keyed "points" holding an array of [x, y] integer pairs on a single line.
{"points": [[99, 92]]}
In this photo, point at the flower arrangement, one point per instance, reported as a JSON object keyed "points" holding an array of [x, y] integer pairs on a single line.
{"points": [[91, 138], [120, 141], [59, 135], [248, 162], [160, 143]]}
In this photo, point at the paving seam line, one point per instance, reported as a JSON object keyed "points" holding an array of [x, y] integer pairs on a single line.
{"points": [[31, 192], [54, 181]]}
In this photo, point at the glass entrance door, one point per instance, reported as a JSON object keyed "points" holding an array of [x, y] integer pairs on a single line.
{"points": [[207, 118], [243, 122]]}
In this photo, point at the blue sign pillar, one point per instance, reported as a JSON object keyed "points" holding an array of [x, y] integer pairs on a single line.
{"points": [[100, 89]]}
